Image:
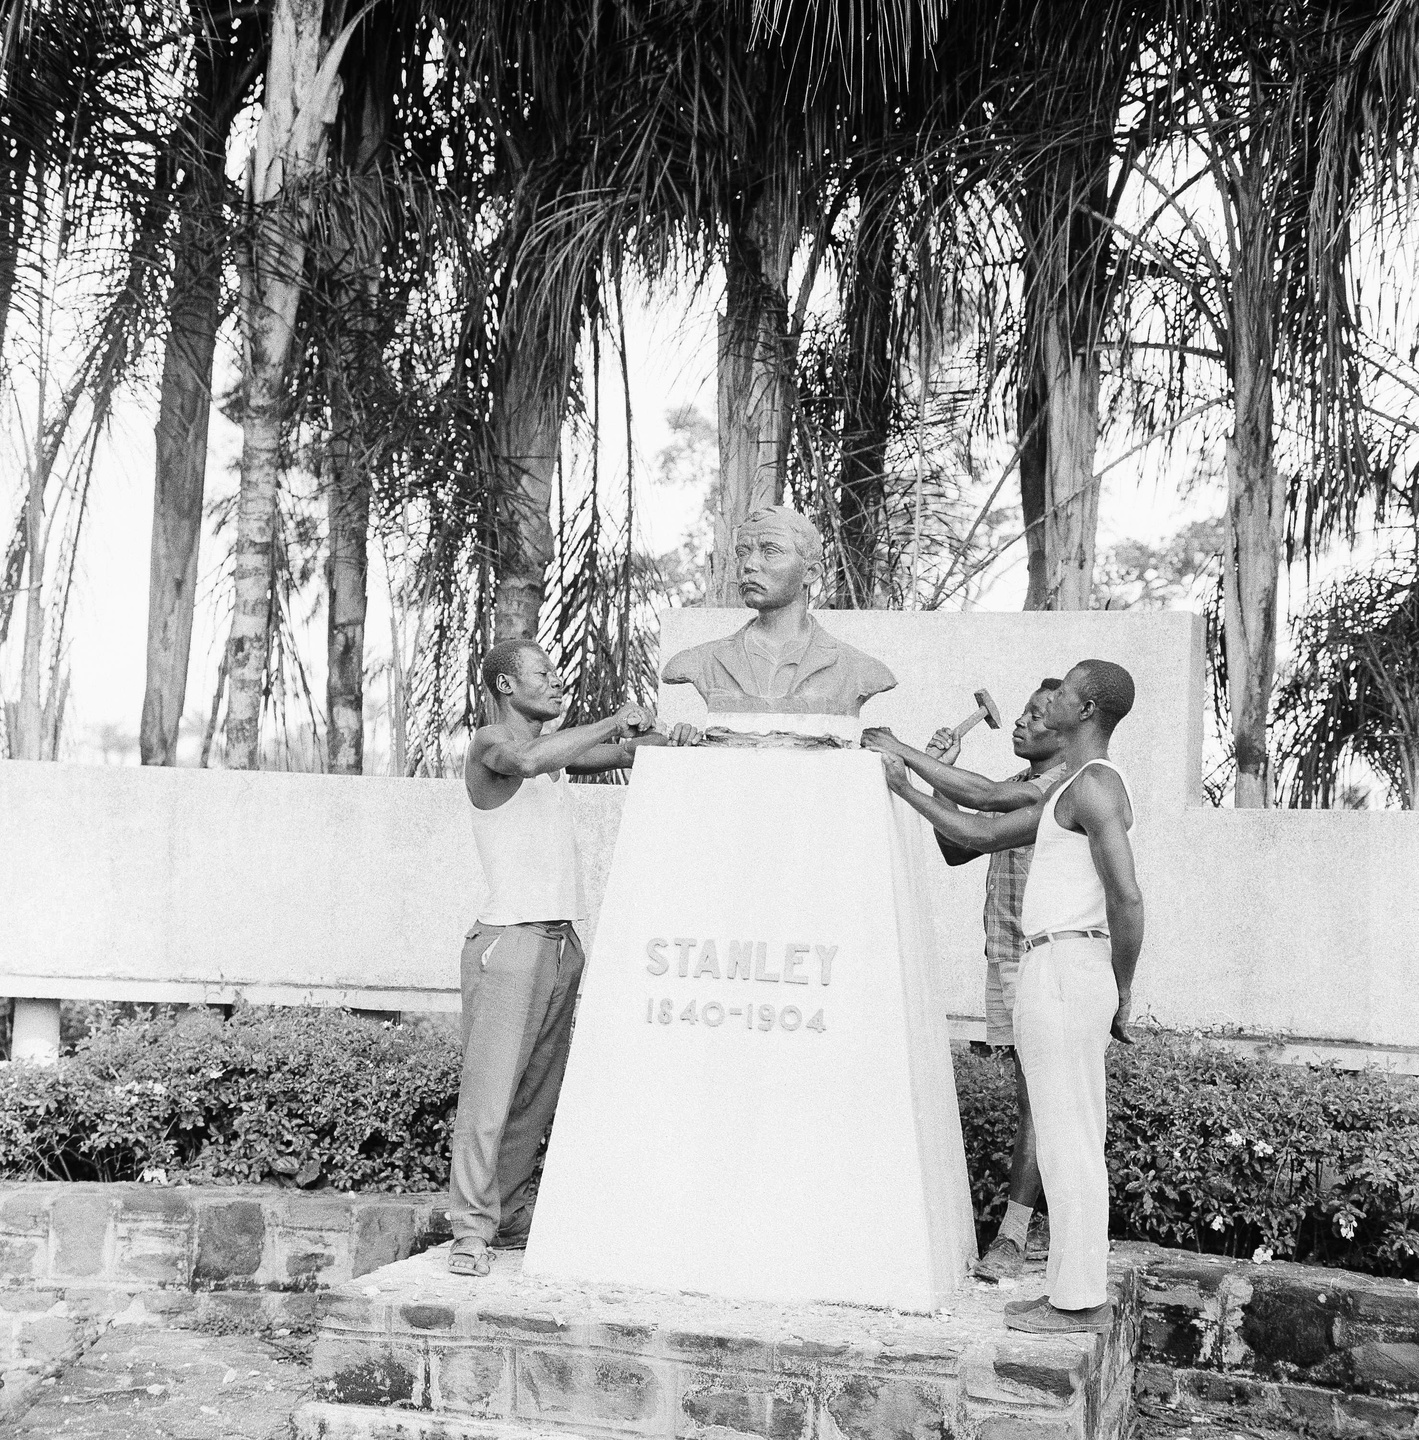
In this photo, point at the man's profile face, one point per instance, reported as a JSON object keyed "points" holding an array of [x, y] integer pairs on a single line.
{"points": [[1063, 707], [772, 573], [536, 688], [1032, 737]]}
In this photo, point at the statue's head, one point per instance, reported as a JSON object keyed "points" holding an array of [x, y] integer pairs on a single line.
{"points": [[780, 556]]}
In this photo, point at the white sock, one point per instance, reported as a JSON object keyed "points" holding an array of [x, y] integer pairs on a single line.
{"points": [[1016, 1224]]}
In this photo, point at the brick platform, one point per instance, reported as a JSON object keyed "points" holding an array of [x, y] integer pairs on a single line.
{"points": [[249, 1237], [1277, 1344], [415, 1353], [77, 1258]]}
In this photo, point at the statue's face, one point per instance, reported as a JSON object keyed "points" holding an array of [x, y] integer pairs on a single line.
{"points": [[772, 573]]}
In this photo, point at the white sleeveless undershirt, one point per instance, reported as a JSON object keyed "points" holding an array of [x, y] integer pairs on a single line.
{"points": [[1064, 891], [528, 850]]}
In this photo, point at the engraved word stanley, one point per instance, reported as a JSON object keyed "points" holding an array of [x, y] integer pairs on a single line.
{"points": [[797, 964]]}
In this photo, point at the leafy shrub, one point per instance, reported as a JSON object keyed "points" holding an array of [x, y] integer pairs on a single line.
{"points": [[284, 1093], [1216, 1151], [1207, 1149]]}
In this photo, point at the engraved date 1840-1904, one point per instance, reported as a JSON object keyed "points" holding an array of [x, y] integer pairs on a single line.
{"points": [[752, 1017], [797, 963]]}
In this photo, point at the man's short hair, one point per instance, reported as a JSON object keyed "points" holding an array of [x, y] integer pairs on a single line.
{"points": [[1050, 682], [505, 658], [806, 538], [1109, 686]]}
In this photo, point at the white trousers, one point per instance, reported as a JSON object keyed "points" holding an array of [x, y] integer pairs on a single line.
{"points": [[1064, 1006]]}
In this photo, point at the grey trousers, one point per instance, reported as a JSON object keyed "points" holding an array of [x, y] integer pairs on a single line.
{"points": [[519, 991]]}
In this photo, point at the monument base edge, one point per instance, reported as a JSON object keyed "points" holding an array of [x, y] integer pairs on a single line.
{"points": [[410, 1352]]}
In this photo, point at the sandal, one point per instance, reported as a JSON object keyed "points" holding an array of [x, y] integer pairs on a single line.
{"points": [[469, 1256]]}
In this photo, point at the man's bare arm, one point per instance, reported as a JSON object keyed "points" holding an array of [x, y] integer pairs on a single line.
{"points": [[954, 855], [961, 786], [508, 755], [623, 753], [982, 833], [945, 748], [600, 758], [1098, 804]]}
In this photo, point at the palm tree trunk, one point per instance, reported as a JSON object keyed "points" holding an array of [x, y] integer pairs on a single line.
{"points": [[297, 107], [1033, 453], [1067, 292], [367, 117], [1071, 498], [1255, 513], [755, 380], [528, 408], [347, 574], [27, 743], [194, 312], [867, 401]]}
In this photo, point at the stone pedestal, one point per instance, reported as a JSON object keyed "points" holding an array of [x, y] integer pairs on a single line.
{"points": [[759, 1102], [413, 1353]]}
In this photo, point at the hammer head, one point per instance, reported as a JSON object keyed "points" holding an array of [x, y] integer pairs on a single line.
{"points": [[992, 710]]}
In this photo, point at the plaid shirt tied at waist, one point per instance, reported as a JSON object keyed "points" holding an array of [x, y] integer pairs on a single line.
{"points": [[1005, 886]]}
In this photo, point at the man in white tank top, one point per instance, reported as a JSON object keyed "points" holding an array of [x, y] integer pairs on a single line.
{"points": [[522, 961], [1083, 921], [1036, 743]]}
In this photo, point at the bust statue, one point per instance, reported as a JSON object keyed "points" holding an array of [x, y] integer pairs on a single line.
{"points": [[782, 662]]}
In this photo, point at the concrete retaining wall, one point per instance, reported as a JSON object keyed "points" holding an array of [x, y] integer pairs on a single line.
{"points": [[205, 885], [196, 886]]}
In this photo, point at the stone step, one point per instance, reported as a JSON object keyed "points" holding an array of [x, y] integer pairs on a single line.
{"points": [[1276, 1321], [512, 1355], [321, 1420], [1197, 1396], [132, 1237]]}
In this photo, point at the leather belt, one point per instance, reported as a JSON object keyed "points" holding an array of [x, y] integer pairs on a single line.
{"points": [[1049, 935]]}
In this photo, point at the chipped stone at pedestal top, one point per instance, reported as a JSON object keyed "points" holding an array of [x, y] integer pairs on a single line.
{"points": [[759, 1101]]}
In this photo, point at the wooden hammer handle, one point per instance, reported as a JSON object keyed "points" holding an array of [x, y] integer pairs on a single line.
{"points": [[971, 721]]}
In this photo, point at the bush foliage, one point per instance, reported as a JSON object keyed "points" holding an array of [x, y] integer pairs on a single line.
{"points": [[1208, 1149], [1215, 1151], [314, 1094]]}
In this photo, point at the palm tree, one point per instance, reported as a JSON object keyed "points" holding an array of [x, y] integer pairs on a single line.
{"points": [[1246, 87], [358, 234], [1051, 116], [1352, 693], [302, 82], [225, 58], [82, 217]]}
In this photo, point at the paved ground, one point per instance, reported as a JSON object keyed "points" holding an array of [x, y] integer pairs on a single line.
{"points": [[141, 1384]]}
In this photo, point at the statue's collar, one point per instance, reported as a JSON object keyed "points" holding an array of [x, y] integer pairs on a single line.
{"points": [[733, 653]]}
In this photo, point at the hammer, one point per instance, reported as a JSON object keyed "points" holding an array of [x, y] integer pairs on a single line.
{"points": [[986, 709]]}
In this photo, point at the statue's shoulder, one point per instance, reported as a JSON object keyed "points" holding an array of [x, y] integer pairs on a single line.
{"points": [[870, 676], [692, 664]]}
